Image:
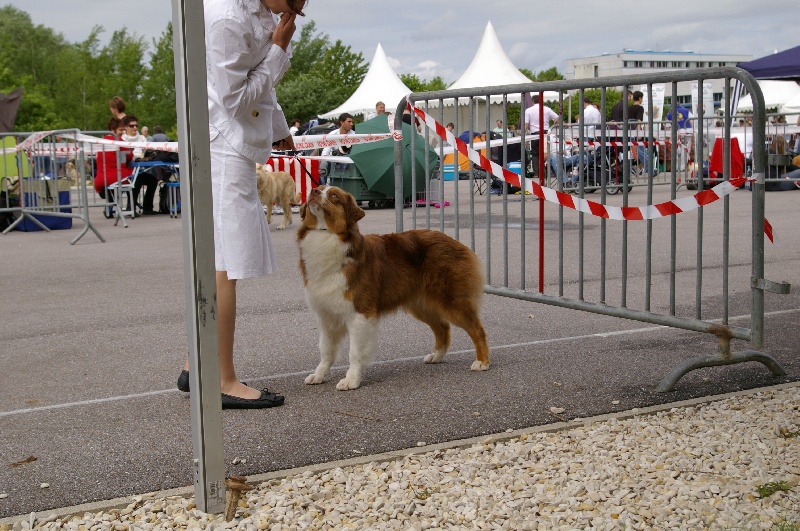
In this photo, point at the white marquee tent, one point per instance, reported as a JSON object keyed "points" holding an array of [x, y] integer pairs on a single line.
{"points": [[776, 95], [490, 67], [380, 84]]}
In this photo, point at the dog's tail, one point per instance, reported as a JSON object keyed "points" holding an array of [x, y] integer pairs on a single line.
{"points": [[298, 199]]}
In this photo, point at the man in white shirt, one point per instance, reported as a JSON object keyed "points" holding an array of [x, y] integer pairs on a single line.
{"points": [[345, 128], [591, 117], [380, 108], [532, 125]]}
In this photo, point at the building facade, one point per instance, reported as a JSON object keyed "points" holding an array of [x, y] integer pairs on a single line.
{"points": [[630, 62]]}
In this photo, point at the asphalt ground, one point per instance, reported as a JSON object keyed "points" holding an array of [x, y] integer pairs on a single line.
{"points": [[93, 338]]}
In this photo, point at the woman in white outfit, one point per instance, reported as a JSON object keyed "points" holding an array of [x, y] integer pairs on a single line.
{"points": [[247, 54]]}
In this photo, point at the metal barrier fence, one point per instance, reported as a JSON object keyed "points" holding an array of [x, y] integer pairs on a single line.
{"points": [[607, 257], [44, 181]]}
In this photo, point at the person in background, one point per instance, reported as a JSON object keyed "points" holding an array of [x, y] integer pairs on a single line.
{"points": [[161, 173], [380, 108], [591, 118], [247, 54], [295, 128], [132, 134], [117, 107], [499, 129], [159, 135], [345, 128], [617, 109], [532, 125], [111, 163], [146, 133], [143, 178], [684, 116], [636, 122]]}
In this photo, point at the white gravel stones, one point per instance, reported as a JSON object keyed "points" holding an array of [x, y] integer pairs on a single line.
{"points": [[687, 468]]}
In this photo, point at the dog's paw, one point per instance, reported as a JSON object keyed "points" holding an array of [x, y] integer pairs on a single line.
{"points": [[348, 384], [313, 379], [479, 366], [434, 357]]}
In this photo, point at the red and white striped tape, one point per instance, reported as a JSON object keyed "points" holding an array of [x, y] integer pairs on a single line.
{"points": [[667, 208], [322, 141]]}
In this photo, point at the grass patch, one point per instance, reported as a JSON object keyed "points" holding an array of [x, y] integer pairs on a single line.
{"points": [[768, 489]]}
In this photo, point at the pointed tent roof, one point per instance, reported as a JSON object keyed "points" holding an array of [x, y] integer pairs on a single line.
{"points": [[380, 84], [491, 67]]}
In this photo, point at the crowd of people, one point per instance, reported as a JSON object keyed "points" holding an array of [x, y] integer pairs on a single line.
{"points": [[114, 166]]}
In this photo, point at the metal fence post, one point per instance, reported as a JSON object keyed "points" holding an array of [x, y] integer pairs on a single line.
{"points": [[198, 245]]}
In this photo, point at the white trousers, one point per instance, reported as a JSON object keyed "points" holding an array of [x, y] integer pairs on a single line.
{"points": [[242, 244]]}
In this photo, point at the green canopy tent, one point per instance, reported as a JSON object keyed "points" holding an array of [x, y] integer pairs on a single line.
{"points": [[375, 160]]}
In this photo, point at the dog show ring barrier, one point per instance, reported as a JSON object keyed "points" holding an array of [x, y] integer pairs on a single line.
{"points": [[50, 182], [672, 260]]}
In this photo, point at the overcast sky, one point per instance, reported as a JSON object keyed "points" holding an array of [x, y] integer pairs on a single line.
{"points": [[435, 37]]}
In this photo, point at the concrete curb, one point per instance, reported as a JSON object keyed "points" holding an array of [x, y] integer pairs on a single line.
{"points": [[120, 503]]}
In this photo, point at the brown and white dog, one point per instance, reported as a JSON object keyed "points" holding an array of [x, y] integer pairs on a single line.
{"points": [[276, 187], [351, 280]]}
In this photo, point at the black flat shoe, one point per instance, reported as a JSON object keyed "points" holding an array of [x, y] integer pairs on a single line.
{"points": [[183, 381], [266, 400]]}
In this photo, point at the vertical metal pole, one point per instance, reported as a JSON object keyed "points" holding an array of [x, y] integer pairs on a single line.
{"points": [[699, 160], [726, 212], [648, 164], [398, 167], [626, 170], [758, 187], [673, 187], [523, 170], [540, 170], [581, 165], [605, 174], [198, 247]]}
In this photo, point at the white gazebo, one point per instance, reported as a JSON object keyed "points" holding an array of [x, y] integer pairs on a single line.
{"points": [[776, 95], [490, 67], [380, 84]]}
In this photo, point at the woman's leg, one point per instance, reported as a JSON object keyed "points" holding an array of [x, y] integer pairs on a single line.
{"points": [[226, 313]]}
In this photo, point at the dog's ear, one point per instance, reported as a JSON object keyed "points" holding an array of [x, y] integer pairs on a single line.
{"points": [[303, 208], [353, 212]]}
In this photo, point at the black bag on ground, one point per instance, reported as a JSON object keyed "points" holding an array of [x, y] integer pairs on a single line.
{"points": [[496, 187], [163, 200], [6, 218]]}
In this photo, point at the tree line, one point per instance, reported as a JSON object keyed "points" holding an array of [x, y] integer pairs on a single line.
{"points": [[68, 85]]}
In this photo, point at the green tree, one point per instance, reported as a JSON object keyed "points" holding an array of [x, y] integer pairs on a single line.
{"points": [[413, 82], [322, 76], [158, 87], [307, 96], [341, 67], [123, 59], [28, 58], [307, 50]]}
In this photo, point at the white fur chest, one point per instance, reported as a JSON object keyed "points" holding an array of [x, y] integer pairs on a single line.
{"points": [[324, 256]]}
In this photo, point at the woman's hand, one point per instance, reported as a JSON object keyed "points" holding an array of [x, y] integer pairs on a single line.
{"points": [[286, 144], [282, 35]]}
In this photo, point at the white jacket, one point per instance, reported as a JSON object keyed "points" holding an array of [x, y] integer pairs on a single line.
{"points": [[243, 66]]}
